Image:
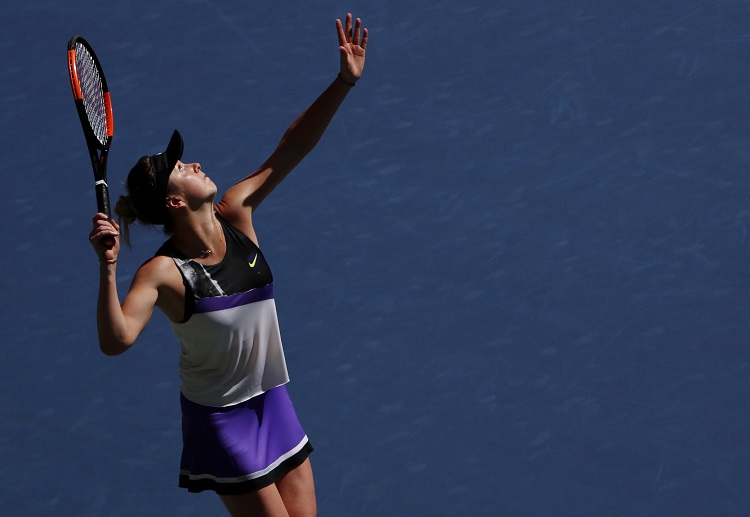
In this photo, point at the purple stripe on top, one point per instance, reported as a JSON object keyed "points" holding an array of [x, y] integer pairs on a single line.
{"points": [[234, 300]]}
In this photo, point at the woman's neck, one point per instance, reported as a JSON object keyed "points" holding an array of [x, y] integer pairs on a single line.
{"points": [[200, 238]]}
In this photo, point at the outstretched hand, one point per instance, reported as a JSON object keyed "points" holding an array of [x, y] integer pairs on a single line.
{"points": [[352, 44]]}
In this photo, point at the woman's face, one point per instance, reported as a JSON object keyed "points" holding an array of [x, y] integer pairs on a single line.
{"points": [[191, 182]]}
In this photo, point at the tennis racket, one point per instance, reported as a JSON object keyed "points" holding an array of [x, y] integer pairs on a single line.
{"points": [[94, 108]]}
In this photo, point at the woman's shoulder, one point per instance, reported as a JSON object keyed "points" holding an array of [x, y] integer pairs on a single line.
{"points": [[160, 277], [159, 270], [240, 220], [168, 250]]}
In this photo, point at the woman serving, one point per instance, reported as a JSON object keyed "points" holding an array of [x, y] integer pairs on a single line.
{"points": [[241, 436]]}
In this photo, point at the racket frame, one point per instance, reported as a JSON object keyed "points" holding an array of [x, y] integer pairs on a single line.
{"points": [[98, 150]]}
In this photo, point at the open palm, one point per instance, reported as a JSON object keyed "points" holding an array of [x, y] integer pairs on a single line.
{"points": [[352, 44]]}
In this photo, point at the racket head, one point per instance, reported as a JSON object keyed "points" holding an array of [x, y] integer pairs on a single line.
{"points": [[94, 106], [90, 93]]}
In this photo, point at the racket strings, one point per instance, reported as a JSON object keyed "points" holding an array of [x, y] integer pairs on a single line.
{"points": [[92, 92]]}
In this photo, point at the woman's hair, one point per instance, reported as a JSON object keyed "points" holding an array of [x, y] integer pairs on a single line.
{"points": [[142, 203]]}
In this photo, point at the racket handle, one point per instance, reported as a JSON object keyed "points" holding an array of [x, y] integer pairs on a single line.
{"points": [[102, 202], [102, 198]]}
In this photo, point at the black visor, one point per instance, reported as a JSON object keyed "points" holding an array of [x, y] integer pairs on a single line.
{"points": [[163, 163]]}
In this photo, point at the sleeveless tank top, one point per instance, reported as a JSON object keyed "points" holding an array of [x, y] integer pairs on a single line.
{"points": [[230, 341]]}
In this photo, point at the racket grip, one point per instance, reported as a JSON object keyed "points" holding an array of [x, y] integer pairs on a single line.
{"points": [[102, 202], [102, 198]]}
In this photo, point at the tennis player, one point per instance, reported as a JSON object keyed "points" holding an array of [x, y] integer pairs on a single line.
{"points": [[241, 436]]}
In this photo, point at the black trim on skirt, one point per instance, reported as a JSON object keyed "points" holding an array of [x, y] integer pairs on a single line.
{"points": [[251, 485]]}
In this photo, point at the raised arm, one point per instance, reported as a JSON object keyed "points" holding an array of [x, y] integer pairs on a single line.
{"points": [[305, 132], [120, 325]]}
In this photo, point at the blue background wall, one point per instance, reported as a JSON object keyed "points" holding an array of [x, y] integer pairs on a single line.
{"points": [[511, 278]]}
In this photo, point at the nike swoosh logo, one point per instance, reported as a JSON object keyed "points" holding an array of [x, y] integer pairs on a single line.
{"points": [[252, 264]]}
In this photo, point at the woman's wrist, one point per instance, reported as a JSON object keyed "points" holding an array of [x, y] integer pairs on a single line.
{"points": [[350, 85]]}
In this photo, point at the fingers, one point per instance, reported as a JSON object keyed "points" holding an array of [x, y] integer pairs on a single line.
{"points": [[344, 31], [355, 34], [104, 223], [351, 34], [103, 235], [99, 235], [340, 31], [98, 217]]}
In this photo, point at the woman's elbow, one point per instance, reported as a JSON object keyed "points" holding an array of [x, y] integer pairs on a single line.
{"points": [[113, 349]]}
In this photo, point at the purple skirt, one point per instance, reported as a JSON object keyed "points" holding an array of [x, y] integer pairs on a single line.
{"points": [[240, 448]]}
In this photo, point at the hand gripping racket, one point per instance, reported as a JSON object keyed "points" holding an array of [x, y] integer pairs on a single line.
{"points": [[94, 107]]}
